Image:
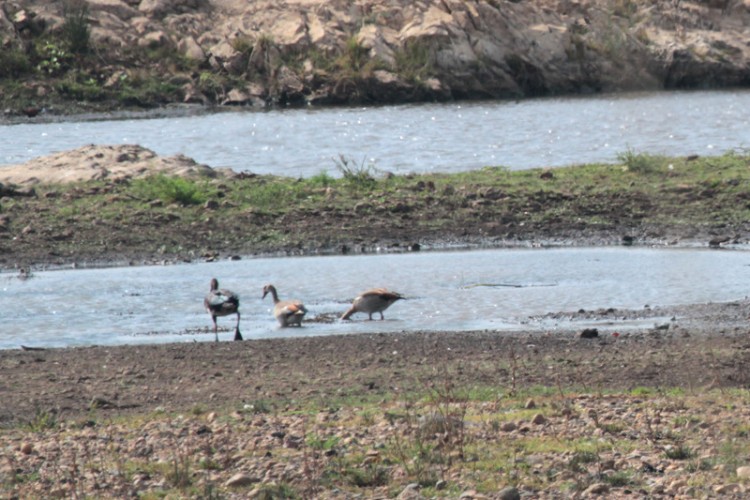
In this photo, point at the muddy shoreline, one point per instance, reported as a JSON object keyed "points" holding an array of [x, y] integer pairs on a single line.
{"points": [[140, 378]]}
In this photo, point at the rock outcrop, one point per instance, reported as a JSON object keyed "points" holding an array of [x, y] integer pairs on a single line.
{"points": [[101, 162], [295, 52]]}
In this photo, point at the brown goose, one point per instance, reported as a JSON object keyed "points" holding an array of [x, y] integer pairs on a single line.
{"points": [[376, 300], [287, 312], [221, 302]]}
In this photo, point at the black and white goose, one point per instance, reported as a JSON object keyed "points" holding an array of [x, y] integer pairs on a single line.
{"points": [[221, 302]]}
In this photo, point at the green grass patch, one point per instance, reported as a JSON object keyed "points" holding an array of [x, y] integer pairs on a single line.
{"points": [[173, 189]]}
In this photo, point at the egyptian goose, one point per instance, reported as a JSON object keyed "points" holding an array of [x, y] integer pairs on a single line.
{"points": [[221, 302], [288, 312], [376, 300]]}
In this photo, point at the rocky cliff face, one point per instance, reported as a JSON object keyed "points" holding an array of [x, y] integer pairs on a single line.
{"points": [[293, 52]]}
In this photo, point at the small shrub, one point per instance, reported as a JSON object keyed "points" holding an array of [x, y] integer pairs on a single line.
{"points": [[618, 479], [321, 180], [42, 420], [75, 29], [14, 63], [324, 444], [414, 61], [179, 473], [640, 163], [243, 45], [680, 452], [85, 90], [275, 492], [53, 59], [370, 476], [211, 85], [360, 175], [354, 57], [580, 458]]}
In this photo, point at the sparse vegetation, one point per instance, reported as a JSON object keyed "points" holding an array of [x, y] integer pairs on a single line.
{"points": [[418, 447], [414, 62], [691, 196]]}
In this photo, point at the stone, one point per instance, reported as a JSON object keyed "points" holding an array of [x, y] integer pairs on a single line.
{"points": [[589, 333], [411, 492], [239, 480], [728, 489], [539, 419], [508, 426], [509, 493], [191, 49], [153, 40], [236, 97], [597, 489], [117, 8]]}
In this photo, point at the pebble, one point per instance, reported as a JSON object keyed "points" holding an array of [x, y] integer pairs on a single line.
{"points": [[597, 489], [508, 427], [411, 492], [743, 472], [239, 480], [509, 493], [727, 489], [539, 419]]}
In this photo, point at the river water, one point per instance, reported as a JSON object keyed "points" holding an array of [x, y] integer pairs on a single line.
{"points": [[501, 290], [418, 138], [460, 290]]}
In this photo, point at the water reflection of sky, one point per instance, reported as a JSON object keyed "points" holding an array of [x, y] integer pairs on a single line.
{"points": [[462, 290]]}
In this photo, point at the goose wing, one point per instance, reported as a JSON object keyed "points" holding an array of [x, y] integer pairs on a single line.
{"points": [[222, 301]]}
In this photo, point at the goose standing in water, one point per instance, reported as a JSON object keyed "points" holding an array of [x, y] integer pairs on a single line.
{"points": [[287, 312], [372, 301], [220, 302]]}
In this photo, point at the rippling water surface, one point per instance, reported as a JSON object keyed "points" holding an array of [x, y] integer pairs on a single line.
{"points": [[450, 291], [419, 138], [498, 289]]}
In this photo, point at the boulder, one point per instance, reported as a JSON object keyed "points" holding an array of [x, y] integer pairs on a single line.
{"points": [[190, 49], [117, 8]]}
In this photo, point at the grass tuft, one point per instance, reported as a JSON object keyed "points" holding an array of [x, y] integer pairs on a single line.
{"points": [[172, 189]]}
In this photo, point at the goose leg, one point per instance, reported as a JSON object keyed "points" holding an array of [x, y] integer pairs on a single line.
{"points": [[216, 332], [381, 316], [237, 334]]}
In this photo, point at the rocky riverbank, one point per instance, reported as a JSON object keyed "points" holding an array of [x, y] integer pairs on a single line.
{"points": [[75, 56]]}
